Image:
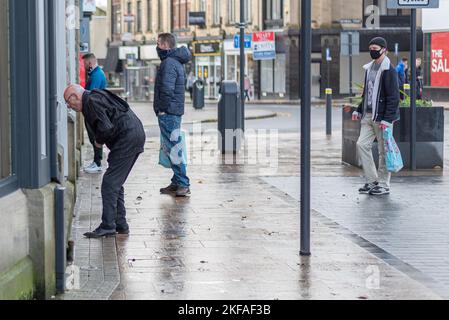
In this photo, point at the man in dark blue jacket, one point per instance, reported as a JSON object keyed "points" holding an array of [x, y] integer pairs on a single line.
{"points": [[96, 80], [169, 100], [379, 109]]}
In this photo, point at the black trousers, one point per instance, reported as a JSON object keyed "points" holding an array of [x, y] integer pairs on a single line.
{"points": [[98, 152], [113, 192]]}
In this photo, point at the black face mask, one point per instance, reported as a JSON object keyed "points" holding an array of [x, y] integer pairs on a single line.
{"points": [[375, 54], [162, 53]]}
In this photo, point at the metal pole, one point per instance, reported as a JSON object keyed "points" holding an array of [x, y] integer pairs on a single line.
{"points": [[242, 59], [306, 45], [350, 67], [328, 111], [60, 246], [413, 92]]}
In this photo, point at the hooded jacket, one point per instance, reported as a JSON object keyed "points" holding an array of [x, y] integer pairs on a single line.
{"points": [[113, 123], [169, 93], [385, 96]]}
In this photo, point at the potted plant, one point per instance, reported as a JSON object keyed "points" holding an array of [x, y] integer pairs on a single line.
{"points": [[429, 134]]}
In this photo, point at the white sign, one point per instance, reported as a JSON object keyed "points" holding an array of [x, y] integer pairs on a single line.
{"points": [[125, 51], [264, 45], [436, 20], [89, 6], [412, 4]]}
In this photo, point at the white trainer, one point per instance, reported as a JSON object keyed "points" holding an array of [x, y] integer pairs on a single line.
{"points": [[93, 168]]}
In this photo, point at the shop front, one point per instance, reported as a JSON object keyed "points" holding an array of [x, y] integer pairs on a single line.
{"points": [[208, 65], [232, 63]]}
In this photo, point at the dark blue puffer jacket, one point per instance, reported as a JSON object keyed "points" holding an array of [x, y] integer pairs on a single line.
{"points": [[169, 92]]}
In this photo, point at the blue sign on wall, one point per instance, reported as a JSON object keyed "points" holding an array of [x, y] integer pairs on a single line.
{"points": [[248, 41]]}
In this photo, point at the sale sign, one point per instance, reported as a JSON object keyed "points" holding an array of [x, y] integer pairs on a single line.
{"points": [[264, 45], [440, 60]]}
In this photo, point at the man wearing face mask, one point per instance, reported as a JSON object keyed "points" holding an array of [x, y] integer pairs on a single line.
{"points": [[169, 99], [379, 109], [96, 80]]}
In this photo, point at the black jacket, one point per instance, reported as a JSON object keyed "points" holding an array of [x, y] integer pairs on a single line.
{"points": [[387, 107], [113, 123], [169, 91]]}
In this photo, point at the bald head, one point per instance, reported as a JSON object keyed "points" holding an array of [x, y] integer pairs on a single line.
{"points": [[73, 96]]}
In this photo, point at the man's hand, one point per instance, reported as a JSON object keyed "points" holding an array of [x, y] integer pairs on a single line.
{"points": [[383, 126], [99, 146]]}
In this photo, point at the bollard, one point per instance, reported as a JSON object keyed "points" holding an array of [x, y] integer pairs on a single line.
{"points": [[328, 111]]}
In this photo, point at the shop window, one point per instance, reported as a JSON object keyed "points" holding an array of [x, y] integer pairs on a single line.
{"points": [[5, 103], [273, 75]]}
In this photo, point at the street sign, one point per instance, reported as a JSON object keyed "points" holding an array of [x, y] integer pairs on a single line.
{"points": [[346, 45], [412, 4], [248, 41], [264, 45]]}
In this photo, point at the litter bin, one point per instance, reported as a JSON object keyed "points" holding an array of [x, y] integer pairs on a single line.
{"points": [[230, 118], [198, 95]]}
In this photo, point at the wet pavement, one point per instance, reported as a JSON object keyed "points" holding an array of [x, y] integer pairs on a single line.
{"points": [[237, 237]]}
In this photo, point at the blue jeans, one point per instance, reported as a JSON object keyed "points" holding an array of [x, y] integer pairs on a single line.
{"points": [[170, 126]]}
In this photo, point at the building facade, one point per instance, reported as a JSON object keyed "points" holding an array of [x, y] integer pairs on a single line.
{"points": [[38, 145], [216, 58]]}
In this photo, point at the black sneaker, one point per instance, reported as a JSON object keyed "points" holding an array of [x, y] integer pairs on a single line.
{"points": [[368, 187], [183, 192], [100, 233], [379, 191], [171, 189]]}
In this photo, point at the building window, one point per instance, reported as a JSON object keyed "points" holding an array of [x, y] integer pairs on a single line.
{"points": [[248, 13], [388, 17], [5, 105], [273, 79], [180, 10], [116, 20], [202, 7], [216, 12], [129, 13], [149, 16], [159, 16], [274, 9], [139, 16], [231, 11]]}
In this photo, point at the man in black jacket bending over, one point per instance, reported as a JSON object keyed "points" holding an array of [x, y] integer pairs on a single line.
{"points": [[116, 126]]}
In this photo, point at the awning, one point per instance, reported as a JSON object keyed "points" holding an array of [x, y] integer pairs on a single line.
{"points": [[111, 63]]}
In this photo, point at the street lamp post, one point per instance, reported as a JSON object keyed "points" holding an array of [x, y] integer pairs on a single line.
{"points": [[242, 26], [306, 45]]}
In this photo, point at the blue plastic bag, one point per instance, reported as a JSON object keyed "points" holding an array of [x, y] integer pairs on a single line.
{"points": [[165, 154], [393, 157]]}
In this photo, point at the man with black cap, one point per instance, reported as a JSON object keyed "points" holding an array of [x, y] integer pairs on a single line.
{"points": [[379, 109]]}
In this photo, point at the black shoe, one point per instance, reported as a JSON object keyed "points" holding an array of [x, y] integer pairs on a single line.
{"points": [[100, 233], [171, 189], [122, 231], [183, 192], [379, 191], [368, 187]]}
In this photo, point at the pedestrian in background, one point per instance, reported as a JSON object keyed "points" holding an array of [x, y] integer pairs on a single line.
{"points": [[378, 110], [169, 106], [190, 83], [401, 69], [247, 88], [419, 79], [114, 124], [96, 80]]}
